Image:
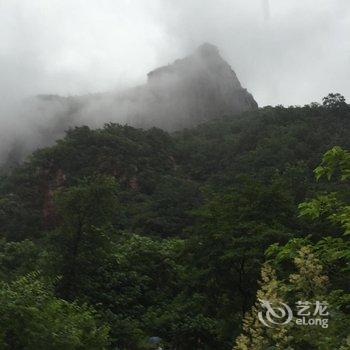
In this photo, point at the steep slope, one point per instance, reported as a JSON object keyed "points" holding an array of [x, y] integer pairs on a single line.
{"points": [[160, 174], [192, 90]]}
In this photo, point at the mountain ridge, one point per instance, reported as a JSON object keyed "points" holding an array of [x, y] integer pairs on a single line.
{"points": [[191, 90]]}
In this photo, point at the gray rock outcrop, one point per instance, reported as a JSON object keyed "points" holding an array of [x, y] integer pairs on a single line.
{"points": [[192, 90]]}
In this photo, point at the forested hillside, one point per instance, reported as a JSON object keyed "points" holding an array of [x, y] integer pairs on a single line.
{"points": [[116, 235]]}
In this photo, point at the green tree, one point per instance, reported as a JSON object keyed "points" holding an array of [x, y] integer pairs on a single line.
{"points": [[32, 318], [333, 206], [334, 102], [225, 250], [19, 258], [308, 282], [322, 273], [82, 241], [138, 280]]}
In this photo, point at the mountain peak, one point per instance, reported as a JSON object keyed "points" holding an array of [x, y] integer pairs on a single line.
{"points": [[199, 87], [207, 50], [191, 90]]}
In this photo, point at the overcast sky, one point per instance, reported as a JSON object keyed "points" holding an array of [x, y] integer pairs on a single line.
{"points": [[284, 51]]}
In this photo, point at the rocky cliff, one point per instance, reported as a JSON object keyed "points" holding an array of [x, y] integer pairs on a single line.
{"points": [[194, 89]]}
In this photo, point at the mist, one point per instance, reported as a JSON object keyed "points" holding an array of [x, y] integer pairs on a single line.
{"points": [[284, 52]]}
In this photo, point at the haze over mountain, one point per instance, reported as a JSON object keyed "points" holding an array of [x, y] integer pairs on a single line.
{"points": [[195, 89], [286, 52]]}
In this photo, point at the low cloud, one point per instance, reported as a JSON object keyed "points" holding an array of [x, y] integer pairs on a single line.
{"points": [[285, 52]]}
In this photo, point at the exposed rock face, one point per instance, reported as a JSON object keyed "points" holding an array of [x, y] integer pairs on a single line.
{"points": [[197, 88]]}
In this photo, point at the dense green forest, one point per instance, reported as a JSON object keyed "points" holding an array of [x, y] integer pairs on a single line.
{"points": [[114, 237]]}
